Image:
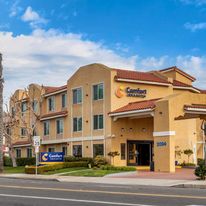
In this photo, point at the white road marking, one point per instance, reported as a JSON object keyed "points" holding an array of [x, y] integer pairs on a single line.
{"points": [[71, 200], [114, 186]]}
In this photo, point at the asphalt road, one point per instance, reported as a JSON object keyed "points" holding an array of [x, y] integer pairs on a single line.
{"points": [[42, 193]]}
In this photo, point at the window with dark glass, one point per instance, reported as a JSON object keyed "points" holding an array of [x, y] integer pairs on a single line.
{"points": [[64, 150], [77, 124], [23, 132], [98, 122], [23, 107], [18, 153], [13, 111], [98, 149], [59, 126], [51, 149], [77, 96], [64, 100], [77, 150], [51, 103], [98, 91], [46, 128], [123, 151], [35, 105], [29, 152]]}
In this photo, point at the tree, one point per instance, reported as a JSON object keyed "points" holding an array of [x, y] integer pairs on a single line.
{"points": [[113, 155], [22, 113], [178, 152], [1, 115], [188, 152]]}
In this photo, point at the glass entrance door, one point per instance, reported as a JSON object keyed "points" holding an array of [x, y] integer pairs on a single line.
{"points": [[139, 153]]}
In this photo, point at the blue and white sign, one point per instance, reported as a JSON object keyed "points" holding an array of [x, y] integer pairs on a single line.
{"points": [[161, 144], [52, 156]]}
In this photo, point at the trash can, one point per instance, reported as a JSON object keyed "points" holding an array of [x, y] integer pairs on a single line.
{"points": [[152, 166]]}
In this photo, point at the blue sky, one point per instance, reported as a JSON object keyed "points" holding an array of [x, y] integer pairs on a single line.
{"points": [[41, 38]]}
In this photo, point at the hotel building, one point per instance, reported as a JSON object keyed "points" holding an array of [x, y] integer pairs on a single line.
{"points": [[144, 116]]}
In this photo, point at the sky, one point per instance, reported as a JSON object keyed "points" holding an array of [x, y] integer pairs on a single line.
{"points": [[46, 41]]}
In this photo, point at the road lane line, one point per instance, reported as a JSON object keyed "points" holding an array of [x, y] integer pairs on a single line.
{"points": [[72, 200], [104, 192]]}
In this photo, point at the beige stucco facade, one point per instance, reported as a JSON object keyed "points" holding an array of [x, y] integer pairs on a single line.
{"points": [[140, 136]]}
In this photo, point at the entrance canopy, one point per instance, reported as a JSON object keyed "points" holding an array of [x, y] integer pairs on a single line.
{"points": [[134, 110]]}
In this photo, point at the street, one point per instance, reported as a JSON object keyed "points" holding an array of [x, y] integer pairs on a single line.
{"points": [[15, 192]]}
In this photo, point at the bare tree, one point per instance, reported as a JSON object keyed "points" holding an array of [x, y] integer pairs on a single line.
{"points": [[22, 113], [1, 115]]}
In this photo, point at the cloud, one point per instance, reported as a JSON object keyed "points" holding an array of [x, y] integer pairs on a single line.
{"points": [[33, 18], [51, 57], [15, 9], [195, 27], [152, 62], [194, 2]]}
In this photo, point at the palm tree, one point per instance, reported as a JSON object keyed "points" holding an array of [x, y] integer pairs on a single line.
{"points": [[1, 115]]}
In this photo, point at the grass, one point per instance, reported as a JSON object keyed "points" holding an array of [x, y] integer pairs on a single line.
{"points": [[92, 173], [13, 170], [64, 170]]}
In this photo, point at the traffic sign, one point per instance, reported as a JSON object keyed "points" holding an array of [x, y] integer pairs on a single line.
{"points": [[36, 141]]}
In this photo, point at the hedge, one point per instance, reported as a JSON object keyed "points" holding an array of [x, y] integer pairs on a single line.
{"points": [[77, 159], [46, 168], [23, 161], [7, 161], [123, 168]]}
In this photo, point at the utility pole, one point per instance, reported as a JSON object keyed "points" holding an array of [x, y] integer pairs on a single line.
{"points": [[1, 115]]}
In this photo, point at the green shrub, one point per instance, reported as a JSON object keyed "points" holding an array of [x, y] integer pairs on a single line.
{"points": [[77, 159], [45, 168], [200, 171], [23, 161], [187, 164], [7, 161], [99, 161], [123, 168]]}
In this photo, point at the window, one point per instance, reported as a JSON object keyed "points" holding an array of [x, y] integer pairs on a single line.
{"points": [[205, 129], [51, 103], [23, 107], [46, 128], [18, 153], [8, 131], [59, 126], [77, 150], [35, 106], [64, 150], [98, 122], [23, 132], [12, 111], [29, 152], [64, 100], [51, 149], [98, 91], [123, 151], [98, 149], [77, 96], [77, 124]]}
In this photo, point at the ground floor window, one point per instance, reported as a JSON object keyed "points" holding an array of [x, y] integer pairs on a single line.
{"points": [[18, 153], [29, 152], [98, 149], [64, 150], [77, 150], [123, 151], [51, 149]]}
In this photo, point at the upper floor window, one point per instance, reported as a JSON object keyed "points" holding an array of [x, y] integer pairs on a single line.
{"points": [[59, 126], [46, 128], [51, 103], [23, 132], [77, 124], [12, 111], [35, 105], [64, 100], [77, 96], [98, 122], [23, 107], [51, 149], [98, 91]]}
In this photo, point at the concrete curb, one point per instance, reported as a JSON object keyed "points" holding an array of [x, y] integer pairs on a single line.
{"points": [[31, 178], [195, 186]]}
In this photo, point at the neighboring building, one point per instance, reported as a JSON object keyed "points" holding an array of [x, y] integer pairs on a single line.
{"points": [[144, 116]]}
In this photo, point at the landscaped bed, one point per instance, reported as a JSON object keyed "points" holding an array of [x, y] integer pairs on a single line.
{"points": [[13, 170]]}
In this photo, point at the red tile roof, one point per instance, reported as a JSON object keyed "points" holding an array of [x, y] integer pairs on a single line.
{"points": [[53, 114], [25, 142], [49, 90], [141, 76], [203, 91], [195, 106], [147, 104], [179, 71], [180, 84]]}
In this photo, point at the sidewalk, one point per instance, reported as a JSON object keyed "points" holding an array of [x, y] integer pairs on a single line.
{"points": [[117, 180]]}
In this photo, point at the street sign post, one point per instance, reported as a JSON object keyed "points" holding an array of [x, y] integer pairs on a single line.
{"points": [[36, 144]]}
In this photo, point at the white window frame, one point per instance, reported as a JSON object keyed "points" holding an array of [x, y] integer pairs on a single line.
{"points": [[98, 84], [53, 108], [77, 124], [46, 122], [79, 88], [98, 122], [60, 120]]}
